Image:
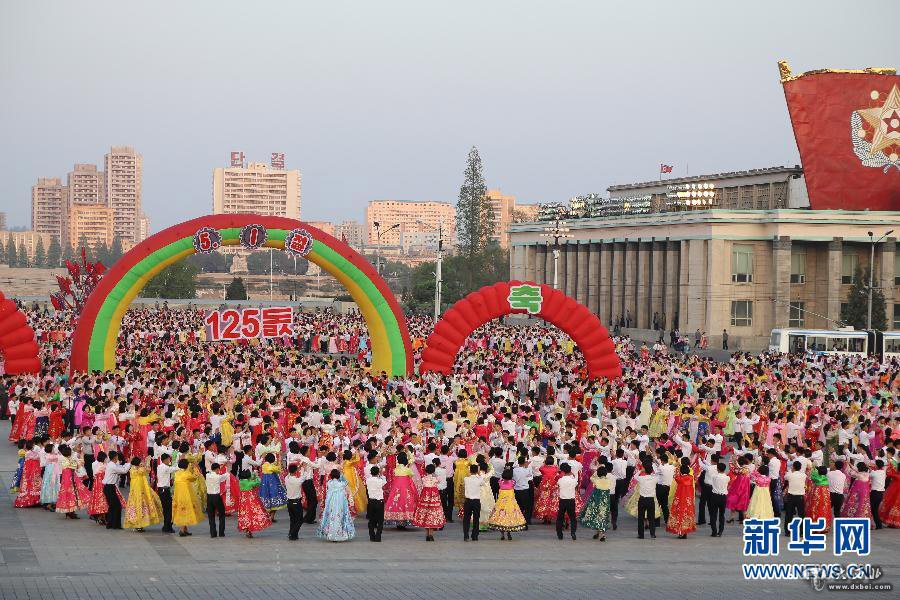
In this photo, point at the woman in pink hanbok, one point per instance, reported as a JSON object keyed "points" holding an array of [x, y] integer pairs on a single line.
{"points": [[856, 504]]}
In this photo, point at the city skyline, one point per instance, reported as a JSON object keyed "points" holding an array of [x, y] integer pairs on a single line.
{"points": [[564, 102]]}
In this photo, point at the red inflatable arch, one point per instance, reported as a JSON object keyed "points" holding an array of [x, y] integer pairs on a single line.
{"points": [[17, 343], [493, 301]]}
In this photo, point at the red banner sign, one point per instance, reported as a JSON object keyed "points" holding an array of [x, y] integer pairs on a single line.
{"points": [[847, 126], [232, 324]]}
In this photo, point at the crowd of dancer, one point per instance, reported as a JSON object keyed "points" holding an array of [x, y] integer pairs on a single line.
{"points": [[516, 438]]}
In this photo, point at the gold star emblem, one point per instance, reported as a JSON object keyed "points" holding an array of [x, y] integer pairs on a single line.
{"points": [[883, 120]]}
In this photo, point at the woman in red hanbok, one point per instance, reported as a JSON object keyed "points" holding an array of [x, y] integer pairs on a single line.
{"points": [[682, 516], [30, 486], [820, 498], [544, 508], [252, 515], [889, 511], [73, 494]]}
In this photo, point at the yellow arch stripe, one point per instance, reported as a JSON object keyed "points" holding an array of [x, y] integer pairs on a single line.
{"points": [[376, 325]]}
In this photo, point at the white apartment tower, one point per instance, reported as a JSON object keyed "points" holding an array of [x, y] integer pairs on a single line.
{"points": [[124, 169], [257, 188]]}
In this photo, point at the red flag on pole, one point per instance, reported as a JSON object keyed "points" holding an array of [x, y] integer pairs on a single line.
{"points": [[847, 127], [665, 168]]}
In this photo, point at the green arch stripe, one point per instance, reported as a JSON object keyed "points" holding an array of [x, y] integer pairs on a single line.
{"points": [[321, 253]]}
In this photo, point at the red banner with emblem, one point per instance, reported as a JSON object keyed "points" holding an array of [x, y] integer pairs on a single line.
{"points": [[847, 126]]}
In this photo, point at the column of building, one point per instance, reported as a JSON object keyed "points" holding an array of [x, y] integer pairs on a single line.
{"points": [[833, 280], [888, 266], [657, 289], [593, 277], [581, 289], [781, 281]]}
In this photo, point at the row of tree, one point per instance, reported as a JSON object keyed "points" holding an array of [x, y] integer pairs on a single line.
{"points": [[16, 255]]}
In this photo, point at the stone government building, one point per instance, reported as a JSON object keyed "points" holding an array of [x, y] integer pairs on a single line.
{"points": [[748, 258]]}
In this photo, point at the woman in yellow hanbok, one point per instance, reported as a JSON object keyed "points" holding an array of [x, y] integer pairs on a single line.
{"points": [[186, 507], [143, 507], [199, 482], [659, 422], [355, 486]]}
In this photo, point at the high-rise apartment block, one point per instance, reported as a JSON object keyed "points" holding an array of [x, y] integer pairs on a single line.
{"points": [[49, 201], [124, 169], [257, 188], [91, 224], [352, 233], [398, 216], [86, 185], [118, 188], [506, 212]]}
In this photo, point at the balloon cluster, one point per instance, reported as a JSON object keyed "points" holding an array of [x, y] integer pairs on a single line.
{"points": [[75, 289], [17, 343]]}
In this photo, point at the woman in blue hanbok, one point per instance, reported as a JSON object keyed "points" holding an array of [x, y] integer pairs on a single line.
{"points": [[336, 524]]}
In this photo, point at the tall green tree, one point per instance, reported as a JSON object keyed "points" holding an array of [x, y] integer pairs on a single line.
{"points": [[100, 252], [236, 290], [178, 280], [83, 243], [2, 251], [115, 250], [54, 253], [474, 216], [40, 255], [22, 256], [856, 310], [11, 254]]}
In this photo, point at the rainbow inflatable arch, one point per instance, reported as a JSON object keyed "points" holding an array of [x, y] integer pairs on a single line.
{"points": [[94, 344]]}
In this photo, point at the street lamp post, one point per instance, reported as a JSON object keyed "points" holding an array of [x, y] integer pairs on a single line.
{"points": [[558, 231], [872, 242], [378, 234], [438, 279]]}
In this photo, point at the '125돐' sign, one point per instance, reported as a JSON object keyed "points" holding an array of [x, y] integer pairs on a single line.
{"points": [[247, 323]]}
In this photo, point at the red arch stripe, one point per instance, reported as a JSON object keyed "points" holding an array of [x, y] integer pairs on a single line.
{"points": [[492, 302]]}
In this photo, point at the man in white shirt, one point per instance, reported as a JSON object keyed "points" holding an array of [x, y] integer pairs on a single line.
{"points": [[646, 502], [666, 474], [522, 490], [794, 490], [293, 485], [164, 472], [836, 482], [214, 503], [567, 484], [375, 512], [472, 505], [114, 469], [877, 479], [718, 484], [619, 474]]}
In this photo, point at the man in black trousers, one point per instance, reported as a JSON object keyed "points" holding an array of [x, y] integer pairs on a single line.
{"points": [[472, 505], [114, 469], [567, 484], [164, 473], [718, 485], [308, 473], [214, 503], [293, 485], [375, 510]]}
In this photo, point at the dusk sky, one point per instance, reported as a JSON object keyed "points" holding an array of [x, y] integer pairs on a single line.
{"points": [[376, 100]]}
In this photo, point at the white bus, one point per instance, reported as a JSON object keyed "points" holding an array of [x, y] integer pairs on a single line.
{"points": [[820, 341], [886, 344]]}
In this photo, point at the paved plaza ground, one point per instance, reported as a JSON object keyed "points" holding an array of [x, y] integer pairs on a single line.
{"points": [[45, 556]]}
